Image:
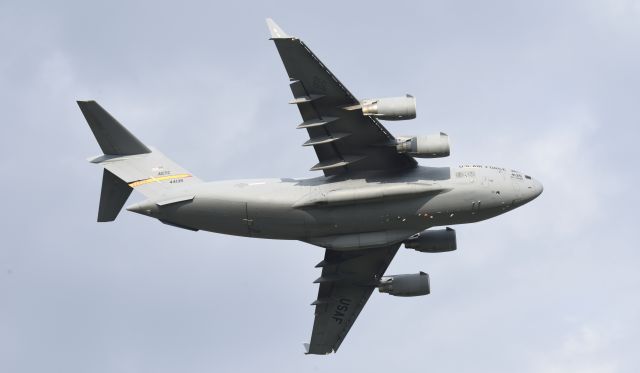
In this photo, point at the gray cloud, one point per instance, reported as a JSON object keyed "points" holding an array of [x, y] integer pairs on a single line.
{"points": [[546, 87]]}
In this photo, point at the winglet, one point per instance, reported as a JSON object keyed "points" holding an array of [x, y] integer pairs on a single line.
{"points": [[276, 31]]}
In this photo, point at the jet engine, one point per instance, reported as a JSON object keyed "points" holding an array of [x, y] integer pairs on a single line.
{"points": [[433, 241], [430, 146], [405, 285], [390, 108]]}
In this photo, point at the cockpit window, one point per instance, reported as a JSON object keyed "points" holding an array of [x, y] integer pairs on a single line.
{"points": [[527, 177]]}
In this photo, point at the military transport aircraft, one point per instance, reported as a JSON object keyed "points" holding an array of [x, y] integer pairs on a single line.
{"points": [[372, 198]]}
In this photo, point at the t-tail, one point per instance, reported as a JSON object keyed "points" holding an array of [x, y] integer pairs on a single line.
{"points": [[129, 164]]}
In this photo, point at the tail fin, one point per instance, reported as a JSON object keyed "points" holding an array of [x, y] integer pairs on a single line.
{"points": [[112, 137], [129, 164]]}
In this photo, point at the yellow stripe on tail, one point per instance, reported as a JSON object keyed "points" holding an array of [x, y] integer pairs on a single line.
{"points": [[158, 179]]}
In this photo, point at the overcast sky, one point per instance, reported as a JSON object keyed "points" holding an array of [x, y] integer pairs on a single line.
{"points": [[551, 88]]}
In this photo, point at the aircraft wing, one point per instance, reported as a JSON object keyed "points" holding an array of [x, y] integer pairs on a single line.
{"points": [[347, 281], [343, 138]]}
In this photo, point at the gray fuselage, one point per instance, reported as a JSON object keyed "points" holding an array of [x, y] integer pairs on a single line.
{"points": [[369, 211]]}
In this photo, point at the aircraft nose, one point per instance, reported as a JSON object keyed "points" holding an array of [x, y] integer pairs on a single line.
{"points": [[535, 189], [539, 188]]}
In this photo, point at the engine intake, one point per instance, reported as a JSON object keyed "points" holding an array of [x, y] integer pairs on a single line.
{"points": [[405, 285], [390, 108], [430, 146], [433, 241]]}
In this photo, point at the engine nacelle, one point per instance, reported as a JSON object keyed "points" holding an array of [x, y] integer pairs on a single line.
{"points": [[433, 241], [390, 108], [405, 285], [430, 146]]}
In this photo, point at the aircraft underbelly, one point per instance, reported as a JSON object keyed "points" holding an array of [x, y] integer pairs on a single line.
{"points": [[221, 216], [273, 222], [364, 218]]}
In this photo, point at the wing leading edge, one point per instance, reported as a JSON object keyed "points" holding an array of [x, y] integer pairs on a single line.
{"points": [[344, 140], [347, 281]]}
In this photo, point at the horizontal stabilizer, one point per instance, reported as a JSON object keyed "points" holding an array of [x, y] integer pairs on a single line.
{"points": [[115, 193], [113, 137]]}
